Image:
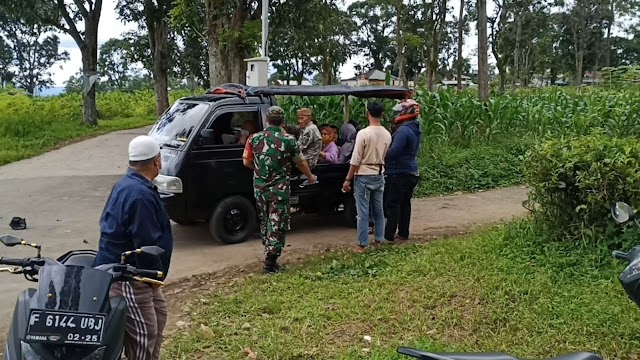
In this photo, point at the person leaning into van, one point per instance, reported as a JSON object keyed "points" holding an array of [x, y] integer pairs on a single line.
{"points": [[269, 154], [310, 140]]}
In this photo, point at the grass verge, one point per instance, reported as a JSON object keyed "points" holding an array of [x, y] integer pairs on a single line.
{"points": [[445, 169], [25, 139], [497, 290]]}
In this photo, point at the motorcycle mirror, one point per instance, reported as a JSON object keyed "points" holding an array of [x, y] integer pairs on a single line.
{"points": [[10, 240], [152, 250], [621, 212]]}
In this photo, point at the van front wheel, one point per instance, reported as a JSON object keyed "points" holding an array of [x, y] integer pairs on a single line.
{"points": [[233, 220]]}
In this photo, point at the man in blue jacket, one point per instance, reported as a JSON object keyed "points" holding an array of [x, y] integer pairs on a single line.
{"points": [[401, 169], [134, 216]]}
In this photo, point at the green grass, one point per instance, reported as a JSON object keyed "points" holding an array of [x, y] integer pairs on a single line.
{"points": [[445, 169], [497, 290], [33, 136]]}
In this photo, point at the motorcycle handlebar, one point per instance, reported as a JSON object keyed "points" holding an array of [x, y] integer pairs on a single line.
{"points": [[149, 274], [14, 262]]}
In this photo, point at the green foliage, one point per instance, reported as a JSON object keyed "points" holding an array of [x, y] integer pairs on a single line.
{"points": [[445, 169], [621, 74], [491, 291], [461, 119], [576, 179], [30, 126]]}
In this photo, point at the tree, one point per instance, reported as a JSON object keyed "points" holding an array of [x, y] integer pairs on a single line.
{"points": [[32, 57], [154, 15], [332, 46], [585, 21], [6, 61], [483, 60], [63, 15], [231, 29], [290, 38], [461, 22], [374, 20], [114, 63]]}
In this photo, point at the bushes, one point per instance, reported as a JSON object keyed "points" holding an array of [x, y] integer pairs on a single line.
{"points": [[576, 179]]}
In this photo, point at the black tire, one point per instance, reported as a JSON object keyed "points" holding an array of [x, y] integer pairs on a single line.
{"points": [[233, 220], [350, 212]]}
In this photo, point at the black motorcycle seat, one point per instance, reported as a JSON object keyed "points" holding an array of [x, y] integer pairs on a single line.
{"points": [[423, 355], [81, 260]]}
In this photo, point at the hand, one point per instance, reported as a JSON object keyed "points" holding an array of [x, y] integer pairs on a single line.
{"points": [[312, 180], [346, 186]]}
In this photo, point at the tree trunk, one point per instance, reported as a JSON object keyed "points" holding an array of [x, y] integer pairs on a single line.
{"points": [[483, 61], [400, 41], [609, 25], [578, 41], [516, 54], [460, 43], [89, 78], [158, 43], [435, 40], [218, 69], [237, 65], [89, 51]]}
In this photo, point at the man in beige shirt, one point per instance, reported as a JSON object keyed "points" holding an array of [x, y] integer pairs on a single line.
{"points": [[367, 174]]}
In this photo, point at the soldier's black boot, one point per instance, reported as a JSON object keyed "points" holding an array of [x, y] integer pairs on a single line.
{"points": [[270, 264]]}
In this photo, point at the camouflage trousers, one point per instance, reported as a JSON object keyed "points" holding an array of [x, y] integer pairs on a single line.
{"points": [[273, 209]]}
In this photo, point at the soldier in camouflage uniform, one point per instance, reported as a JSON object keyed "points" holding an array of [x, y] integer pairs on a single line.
{"points": [[310, 140], [269, 153]]}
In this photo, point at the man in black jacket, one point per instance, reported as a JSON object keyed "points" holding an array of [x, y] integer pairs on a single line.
{"points": [[401, 169]]}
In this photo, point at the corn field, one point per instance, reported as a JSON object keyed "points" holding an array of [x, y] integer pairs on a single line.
{"points": [[447, 116], [461, 119]]}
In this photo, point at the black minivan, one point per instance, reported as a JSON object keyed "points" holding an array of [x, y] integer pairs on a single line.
{"points": [[203, 178]]}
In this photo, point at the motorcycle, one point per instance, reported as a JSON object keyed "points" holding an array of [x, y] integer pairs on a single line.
{"points": [[70, 315], [622, 213]]}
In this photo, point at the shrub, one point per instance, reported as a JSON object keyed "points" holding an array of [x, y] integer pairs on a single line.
{"points": [[576, 179]]}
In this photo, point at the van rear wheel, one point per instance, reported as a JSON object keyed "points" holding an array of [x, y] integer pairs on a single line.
{"points": [[233, 221]]}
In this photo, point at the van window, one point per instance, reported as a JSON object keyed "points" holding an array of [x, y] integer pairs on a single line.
{"points": [[233, 128], [176, 125]]}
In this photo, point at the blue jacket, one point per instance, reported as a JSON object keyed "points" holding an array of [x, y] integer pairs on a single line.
{"points": [[134, 216], [402, 156]]}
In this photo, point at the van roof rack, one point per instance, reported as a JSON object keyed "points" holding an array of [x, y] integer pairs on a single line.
{"points": [[229, 89], [393, 92]]}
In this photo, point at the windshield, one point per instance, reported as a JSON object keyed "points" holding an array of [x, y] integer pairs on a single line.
{"points": [[176, 125]]}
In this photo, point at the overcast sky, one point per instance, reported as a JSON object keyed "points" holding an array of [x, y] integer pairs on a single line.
{"points": [[111, 27]]}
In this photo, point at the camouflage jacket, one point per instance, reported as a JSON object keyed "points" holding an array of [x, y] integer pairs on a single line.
{"points": [[273, 153], [310, 143]]}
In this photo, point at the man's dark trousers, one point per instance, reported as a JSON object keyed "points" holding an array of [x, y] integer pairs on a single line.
{"points": [[397, 204]]}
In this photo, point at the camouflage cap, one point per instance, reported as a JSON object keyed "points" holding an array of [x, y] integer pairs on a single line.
{"points": [[275, 112]]}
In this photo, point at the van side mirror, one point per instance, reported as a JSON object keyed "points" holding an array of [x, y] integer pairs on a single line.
{"points": [[206, 134]]}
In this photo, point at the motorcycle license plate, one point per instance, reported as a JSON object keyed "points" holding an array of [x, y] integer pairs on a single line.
{"points": [[64, 327]]}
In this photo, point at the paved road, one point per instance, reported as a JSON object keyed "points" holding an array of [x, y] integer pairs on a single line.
{"points": [[61, 194]]}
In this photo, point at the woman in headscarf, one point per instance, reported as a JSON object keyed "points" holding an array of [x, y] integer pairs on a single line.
{"points": [[346, 141]]}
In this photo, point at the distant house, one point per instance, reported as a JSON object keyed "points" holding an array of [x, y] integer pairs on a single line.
{"points": [[591, 77], [305, 82], [371, 78], [465, 82]]}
